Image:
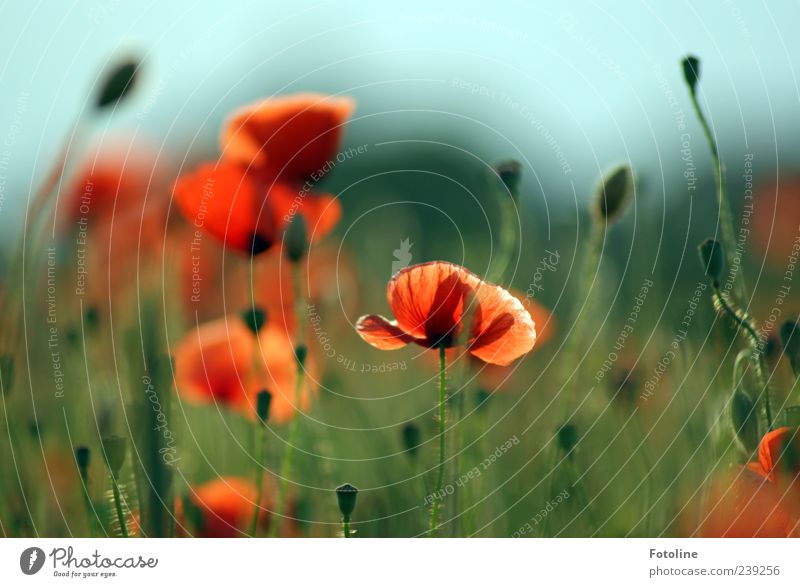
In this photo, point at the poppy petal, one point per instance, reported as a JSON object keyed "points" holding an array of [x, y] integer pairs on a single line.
{"points": [[320, 211], [427, 299], [502, 328], [294, 137], [381, 333], [220, 198]]}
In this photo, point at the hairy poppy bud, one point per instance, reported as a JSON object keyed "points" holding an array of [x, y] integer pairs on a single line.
{"points": [[712, 256], [254, 319], [744, 419], [510, 173], [691, 71], [614, 194], [114, 448], [412, 438], [790, 338], [263, 401], [91, 319], [6, 373], [300, 354], [118, 83], [296, 239], [83, 457], [567, 437], [346, 494]]}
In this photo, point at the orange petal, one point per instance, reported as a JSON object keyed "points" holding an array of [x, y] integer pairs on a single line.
{"points": [[381, 333], [320, 211], [428, 299], [214, 362], [773, 446], [221, 199], [226, 505], [503, 330], [294, 137]]}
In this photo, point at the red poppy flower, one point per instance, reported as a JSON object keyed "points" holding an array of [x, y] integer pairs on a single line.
{"points": [[226, 506], [779, 454], [442, 304], [218, 363], [775, 225], [273, 153]]}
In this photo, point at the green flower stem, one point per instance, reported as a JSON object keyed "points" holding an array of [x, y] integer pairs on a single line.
{"points": [[742, 320], [442, 447], [346, 526], [286, 467], [508, 239], [123, 526], [87, 502], [725, 215], [261, 441]]}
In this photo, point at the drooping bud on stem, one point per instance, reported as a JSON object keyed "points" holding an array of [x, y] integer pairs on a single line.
{"points": [[712, 257], [300, 354], [119, 82], [691, 71], [567, 437], [614, 194], [744, 419], [83, 457]]}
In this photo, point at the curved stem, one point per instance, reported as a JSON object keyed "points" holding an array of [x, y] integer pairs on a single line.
{"points": [[508, 239], [346, 526], [725, 215], [442, 447]]}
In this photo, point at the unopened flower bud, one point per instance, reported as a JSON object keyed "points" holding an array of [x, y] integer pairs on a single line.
{"points": [[114, 448], [263, 401], [83, 457], [412, 438], [346, 494], [712, 257], [254, 319], [614, 194], [691, 71], [510, 173], [567, 437], [118, 83], [300, 354]]}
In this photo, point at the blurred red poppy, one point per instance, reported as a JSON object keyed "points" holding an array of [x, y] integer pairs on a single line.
{"points": [[226, 506], [775, 218], [441, 304], [218, 363], [273, 154], [763, 500]]}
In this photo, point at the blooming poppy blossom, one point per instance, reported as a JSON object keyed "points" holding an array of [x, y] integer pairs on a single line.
{"points": [[272, 154], [218, 362], [225, 507], [441, 304], [779, 454], [775, 213]]}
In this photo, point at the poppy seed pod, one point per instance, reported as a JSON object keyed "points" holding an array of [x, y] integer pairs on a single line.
{"points": [[254, 319], [712, 256], [6, 373], [790, 338], [614, 193], [296, 239], [346, 494], [263, 401], [691, 71], [114, 448], [118, 83], [510, 173], [412, 438]]}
